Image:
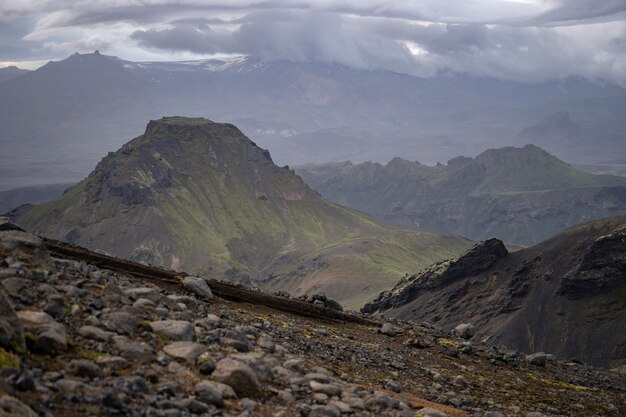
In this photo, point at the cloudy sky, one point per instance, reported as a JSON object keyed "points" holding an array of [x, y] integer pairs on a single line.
{"points": [[527, 40]]}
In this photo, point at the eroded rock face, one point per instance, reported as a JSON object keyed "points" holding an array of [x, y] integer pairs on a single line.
{"points": [[477, 259], [603, 267]]}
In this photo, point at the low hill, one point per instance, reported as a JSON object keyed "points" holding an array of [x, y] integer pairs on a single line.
{"points": [[565, 296], [199, 196], [520, 195], [30, 195]]}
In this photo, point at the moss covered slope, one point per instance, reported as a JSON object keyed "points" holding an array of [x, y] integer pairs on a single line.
{"points": [[199, 196]]}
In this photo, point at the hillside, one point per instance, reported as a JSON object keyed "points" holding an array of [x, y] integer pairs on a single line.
{"points": [[86, 340], [562, 296], [520, 195], [65, 116], [199, 196]]}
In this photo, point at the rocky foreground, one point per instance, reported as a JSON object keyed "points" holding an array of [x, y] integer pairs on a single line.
{"points": [[77, 340]]}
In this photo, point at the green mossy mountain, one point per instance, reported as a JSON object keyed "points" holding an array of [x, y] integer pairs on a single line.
{"points": [[566, 295], [194, 195], [520, 195]]}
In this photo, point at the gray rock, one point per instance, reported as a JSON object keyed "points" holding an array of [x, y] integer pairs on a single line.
{"points": [[133, 351], [226, 391], [187, 351], [328, 389], [430, 412], [112, 362], [333, 304], [11, 334], [237, 375], [50, 336], [208, 393], [538, 359], [199, 287], [461, 382], [494, 414], [388, 330], [318, 377], [393, 385], [465, 330], [24, 247], [85, 369], [174, 329], [266, 343], [152, 294], [325, 411], [207, 367], [295, 365], [12, 407], [95, 333], [14, 286], [120, 322]]}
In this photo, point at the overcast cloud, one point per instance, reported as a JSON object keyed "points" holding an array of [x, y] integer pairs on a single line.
{"points": [[528, 40]]}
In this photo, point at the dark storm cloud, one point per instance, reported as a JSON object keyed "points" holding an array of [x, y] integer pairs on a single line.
{"points": [[526, 40], [580, 10]]}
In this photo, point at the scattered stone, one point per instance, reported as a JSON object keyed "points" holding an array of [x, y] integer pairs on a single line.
{"points": [[112, 362], [328, 389], [199, 287], [120, 322], [209, 394], [174, 329], [324, 411], [134, 351], [95, 333], [266, 343], [464, 330], [461, 382], [152, 294], [11, 334], [187, 351], [84, 368], [237, 375], [430, 412], [207, 367], [538, 359], [388, 330], [48, 336]]}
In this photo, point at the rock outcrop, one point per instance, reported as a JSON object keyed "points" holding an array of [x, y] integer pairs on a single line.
{"points": [[564, 296], [477, 259]]}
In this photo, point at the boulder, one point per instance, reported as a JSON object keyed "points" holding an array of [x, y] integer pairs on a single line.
{"points": [[178, 330], [388, 330], [187, 351], [198, 286], [11, 334], [464, 330], [237, 375]]}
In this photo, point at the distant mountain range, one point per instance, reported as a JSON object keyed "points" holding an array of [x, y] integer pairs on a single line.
{"points": [[56, 122], [565, 296], [521, 195], [199, 196]]}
